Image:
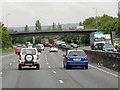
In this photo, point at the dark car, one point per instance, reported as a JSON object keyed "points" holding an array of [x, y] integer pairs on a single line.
{"points": [[75, 58]]}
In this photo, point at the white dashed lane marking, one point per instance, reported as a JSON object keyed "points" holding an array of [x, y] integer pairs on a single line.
{"points": [[54, 72], [47, 63], [6, 67], [61, 81], [49, 67], [1, 73]]}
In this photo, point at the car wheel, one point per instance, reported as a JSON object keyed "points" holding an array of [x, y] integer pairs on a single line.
{"points": [[86, 67], [66, 67], [19, 67], [38, 67]]}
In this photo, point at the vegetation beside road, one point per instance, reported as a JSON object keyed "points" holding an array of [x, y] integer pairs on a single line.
{"points": [[5, 40], [5, 51], [103, 23]]}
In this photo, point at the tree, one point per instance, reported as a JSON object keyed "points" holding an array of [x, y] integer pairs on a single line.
{"points": [[38, 25], [89, 22], [54, 26], [118, 27], [26, 28], [5, 40], [59, 27], [80, 24], [2, 27]]}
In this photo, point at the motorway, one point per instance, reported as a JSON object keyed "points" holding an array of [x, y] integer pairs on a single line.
{"points": [[52, 74]]}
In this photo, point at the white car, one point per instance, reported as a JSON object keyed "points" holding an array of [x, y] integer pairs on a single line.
{"points": [[42, 46], [53, 49], [28, 57], [63, 43]]}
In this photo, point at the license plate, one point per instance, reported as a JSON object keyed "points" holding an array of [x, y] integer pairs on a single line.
{"points": [[28, 64], [77, 58]]}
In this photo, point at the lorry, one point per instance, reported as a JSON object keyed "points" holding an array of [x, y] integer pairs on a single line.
{"points": [[108, 38], [97, 40], [115, 39], [80, 27]]}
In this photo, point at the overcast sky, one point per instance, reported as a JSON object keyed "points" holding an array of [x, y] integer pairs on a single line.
{"points": [[16, 14]]}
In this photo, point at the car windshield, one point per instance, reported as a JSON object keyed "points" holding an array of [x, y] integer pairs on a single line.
{"points": [[109, 46], [76, 53], [99, 39], [28, 51]]}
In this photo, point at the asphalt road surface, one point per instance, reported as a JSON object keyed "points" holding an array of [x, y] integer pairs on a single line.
{"points": [[52, 74]]}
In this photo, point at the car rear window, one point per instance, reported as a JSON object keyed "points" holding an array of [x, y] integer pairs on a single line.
{"points": [[76, 53], [28, 51]]}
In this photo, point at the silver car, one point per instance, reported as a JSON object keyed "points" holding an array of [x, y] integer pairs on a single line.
{"points": [[109, 47]]}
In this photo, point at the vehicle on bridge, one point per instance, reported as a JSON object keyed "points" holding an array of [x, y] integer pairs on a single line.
{"points": [[97, 40], [75, 58], [28, 57]]}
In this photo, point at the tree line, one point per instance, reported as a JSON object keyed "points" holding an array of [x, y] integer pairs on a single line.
{"points": [[5, 39], [103, 23], [38, 27]]}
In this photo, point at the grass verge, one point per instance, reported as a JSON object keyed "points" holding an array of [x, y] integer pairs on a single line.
{"points": [[5, 51]]}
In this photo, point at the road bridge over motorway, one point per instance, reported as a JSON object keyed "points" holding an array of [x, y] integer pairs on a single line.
{"points": [[64, 32]]}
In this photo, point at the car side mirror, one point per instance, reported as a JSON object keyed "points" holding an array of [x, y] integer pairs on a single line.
{"points": [[64, 55]]}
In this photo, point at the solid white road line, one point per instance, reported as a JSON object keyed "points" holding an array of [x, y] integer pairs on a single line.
{"points": [[104, 71], [49, 67], [1, 73], [54, 72], [61, 81]]}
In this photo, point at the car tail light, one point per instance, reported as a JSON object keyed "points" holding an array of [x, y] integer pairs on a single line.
{"points": [[20, 57], [67, 58], [86, 58], [22, 62], [35, 62]]}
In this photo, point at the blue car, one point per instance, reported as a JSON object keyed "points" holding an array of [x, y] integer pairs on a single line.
{"points": [[75, 58]]}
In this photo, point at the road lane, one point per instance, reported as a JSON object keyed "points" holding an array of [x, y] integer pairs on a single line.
{"points": [[91, 78], [53, 75], [29, 78]]}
